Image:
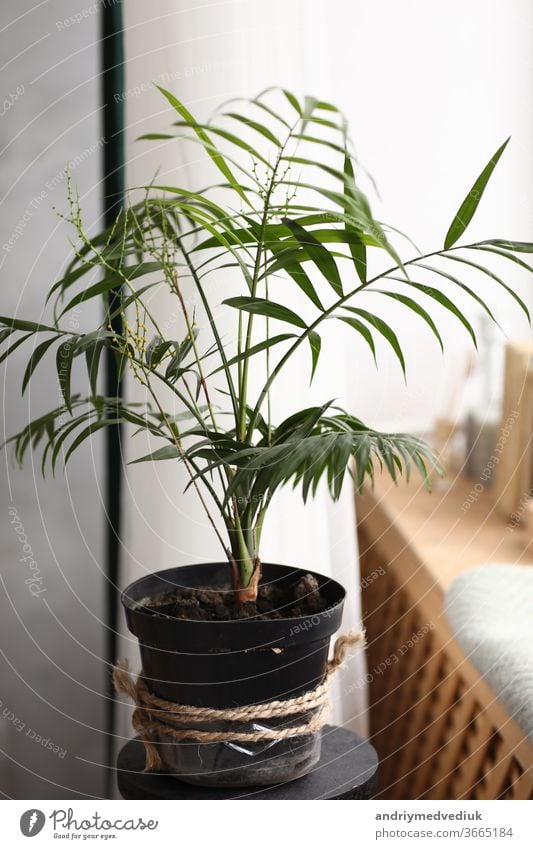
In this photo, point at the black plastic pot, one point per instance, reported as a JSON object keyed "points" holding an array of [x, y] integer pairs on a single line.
{"points": [[233, 663]]}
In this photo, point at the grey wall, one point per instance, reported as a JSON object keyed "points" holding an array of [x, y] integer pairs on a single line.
{"points": [[51, 669]]}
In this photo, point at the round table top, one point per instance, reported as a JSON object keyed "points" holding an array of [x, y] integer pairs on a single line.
{"points": [[347, 769]]}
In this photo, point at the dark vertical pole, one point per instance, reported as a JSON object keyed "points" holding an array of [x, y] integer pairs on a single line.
{"points": [[112, 53]]}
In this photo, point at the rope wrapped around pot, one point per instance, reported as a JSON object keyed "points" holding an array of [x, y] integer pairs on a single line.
{"points": [[155, 714]]}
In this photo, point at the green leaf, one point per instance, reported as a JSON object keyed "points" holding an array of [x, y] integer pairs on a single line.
{"points": [[174, 369], [361, 328], [444, 301], [254, 125], [64, 356], [310, 104], [255, 349], [168, 452], [231, 137], [122, 359], [383, 328], [69, 279], [156, 136], [318, 253], [316, 343], [275, 235], [323, 142], [313, 163], [88, 339], [88, 431], [92, 358], [519, 247], [14, 346], [469, 205], [62, 434], [415, 307], [32, 326], [257, 101], [261, 306], [359, 209], [358, 248], [211, 149], [461, 285], [482, 246], [293, 101], [300, 424], [112, 281], [303, 282], [495, 277], [156, 350], [35, 359]]}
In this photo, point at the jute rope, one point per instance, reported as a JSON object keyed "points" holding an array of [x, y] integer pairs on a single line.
{"points": [[155, 714]]}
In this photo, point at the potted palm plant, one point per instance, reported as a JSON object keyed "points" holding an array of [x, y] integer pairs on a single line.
{"points": [[234, 653]]}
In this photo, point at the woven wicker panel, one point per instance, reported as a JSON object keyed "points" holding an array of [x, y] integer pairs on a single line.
{"points": [[438, 729]]}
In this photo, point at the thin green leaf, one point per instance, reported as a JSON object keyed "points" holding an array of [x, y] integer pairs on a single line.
{"points": [[261, 306], [415, 307], [382, 327], [69, 279], [293, 101], [361, 328], [215, 155], [470, 204], [92, 358], [19, 324], [231, 137], [318, 253], [315, 343], [112, 281], [338, 148], [255, 349], [89, 431], [156, 350], [64, 356], [168, 452], [62, 434], [462, 286], [358, 248], [35, 359], [5, 354], [519, 247], [254, 125], [444, 301], [494, 277]]}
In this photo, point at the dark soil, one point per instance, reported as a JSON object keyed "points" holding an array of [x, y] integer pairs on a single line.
{"points": [[302, 598]]}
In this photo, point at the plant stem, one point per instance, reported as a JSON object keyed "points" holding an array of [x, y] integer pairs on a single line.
{"points": [[187, 464], [190, 331], [244, 435], [214, 329]]}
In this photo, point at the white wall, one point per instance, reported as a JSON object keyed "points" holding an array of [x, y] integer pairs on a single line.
{"points": [[431, 91], [52, 672]]}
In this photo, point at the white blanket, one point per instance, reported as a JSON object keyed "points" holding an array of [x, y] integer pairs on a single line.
{"points": [[490, 609]]}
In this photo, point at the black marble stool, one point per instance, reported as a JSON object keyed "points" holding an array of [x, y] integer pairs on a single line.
{"points": [[347, 769]]}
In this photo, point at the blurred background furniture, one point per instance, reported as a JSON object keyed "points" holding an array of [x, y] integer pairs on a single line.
{"points": [[514, 473], [490, 610], [440, 730]]}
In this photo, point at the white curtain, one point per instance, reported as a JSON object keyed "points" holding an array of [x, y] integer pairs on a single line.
{"points": [[207, 54]]}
